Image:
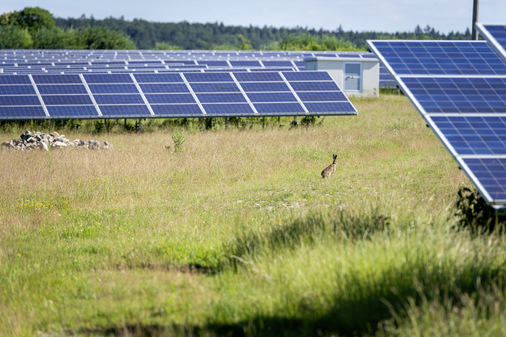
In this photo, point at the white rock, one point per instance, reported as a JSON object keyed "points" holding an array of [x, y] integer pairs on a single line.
{"points": [[43, 146], [58, 144]]}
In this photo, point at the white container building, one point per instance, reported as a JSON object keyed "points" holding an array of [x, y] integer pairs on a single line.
{"points": [[355, 76]]}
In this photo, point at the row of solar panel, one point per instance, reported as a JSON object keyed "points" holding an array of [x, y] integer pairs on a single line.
{"points": [[385, 79], [169, 78], [186, 110], [196, 63], [168, 54], [495, 35], [175, 95], [441, 58], [466, 107], [128, 98]]}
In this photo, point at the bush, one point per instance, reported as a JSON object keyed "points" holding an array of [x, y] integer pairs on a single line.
{"points": [[475, 213]]}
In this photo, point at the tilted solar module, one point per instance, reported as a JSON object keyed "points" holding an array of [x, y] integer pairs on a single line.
{"points": [[129, 95], [495, 33], [438, 57], [459, 88]]}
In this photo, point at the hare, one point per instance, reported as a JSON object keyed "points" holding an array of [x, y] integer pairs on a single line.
{"points": [[328, 172]]}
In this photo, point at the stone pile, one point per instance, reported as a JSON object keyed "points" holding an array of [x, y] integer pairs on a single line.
{"points": [[45, 141]]}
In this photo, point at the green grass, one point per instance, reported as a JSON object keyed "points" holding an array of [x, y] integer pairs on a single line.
{"points": [[236, 234]]}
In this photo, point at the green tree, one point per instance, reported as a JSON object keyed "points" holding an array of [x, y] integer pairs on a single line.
{"points": [[245, 44], [57, 38], [12, 37], [32, 18], [166, 46], [103, 38]]}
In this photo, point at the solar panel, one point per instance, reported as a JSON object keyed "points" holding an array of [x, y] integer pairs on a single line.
{"points": [[170, 95], [458, 94], [439, 57], [460, 90], [473, 135], [495, 35]]}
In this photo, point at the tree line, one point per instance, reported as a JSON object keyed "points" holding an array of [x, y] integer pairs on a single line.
{"points": [[37, 28]]}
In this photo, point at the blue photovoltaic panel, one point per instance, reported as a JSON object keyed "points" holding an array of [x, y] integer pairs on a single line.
{"points": [[125, 110], [15, 79], [259, 77], [145, 62], [215, 87], [322, 96], [218, 98], [385, 79], [245, 63], [119, 99], [271, 64], [326, 107], [458, 94], [17, 90], [474, 135], [113, 89], [439, 57], [108, 78], [41, 79], [495, 35], [209, 77], [177, 110], [466, 107], [76, 111], [19, 100], [314, 86], [158, 78], [49, 89], [491, 175], [279, 108], [169, 98], [272, 97], [163, 88], [264, 86], [66, 99], [228, 109], [213, 63], [308, 76], [26, 112]]}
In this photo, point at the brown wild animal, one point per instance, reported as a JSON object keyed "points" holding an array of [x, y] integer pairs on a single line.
{"points": [[328, 172]]}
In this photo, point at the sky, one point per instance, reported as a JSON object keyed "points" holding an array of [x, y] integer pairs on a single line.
{"points": [[356, 15]]}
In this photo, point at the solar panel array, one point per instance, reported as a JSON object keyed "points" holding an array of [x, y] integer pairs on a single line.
{"points": [[146, 61], [171, 95], [459, 87], [495, 35]]}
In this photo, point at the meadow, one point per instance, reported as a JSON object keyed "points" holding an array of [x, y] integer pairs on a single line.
{"points": [[236, 234]]}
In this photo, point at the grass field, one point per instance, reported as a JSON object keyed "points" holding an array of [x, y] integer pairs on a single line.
{"points": [[238, 235]]}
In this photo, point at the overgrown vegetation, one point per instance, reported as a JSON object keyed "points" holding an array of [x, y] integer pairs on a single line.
{"points": [[238, 235], [474, 212]]}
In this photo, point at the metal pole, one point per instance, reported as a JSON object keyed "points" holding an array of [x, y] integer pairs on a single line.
{"points": [[476, 5], [140, 125], [226, 123]]}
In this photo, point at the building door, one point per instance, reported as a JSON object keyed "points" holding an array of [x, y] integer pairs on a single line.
{"points": [[353, 77]]}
